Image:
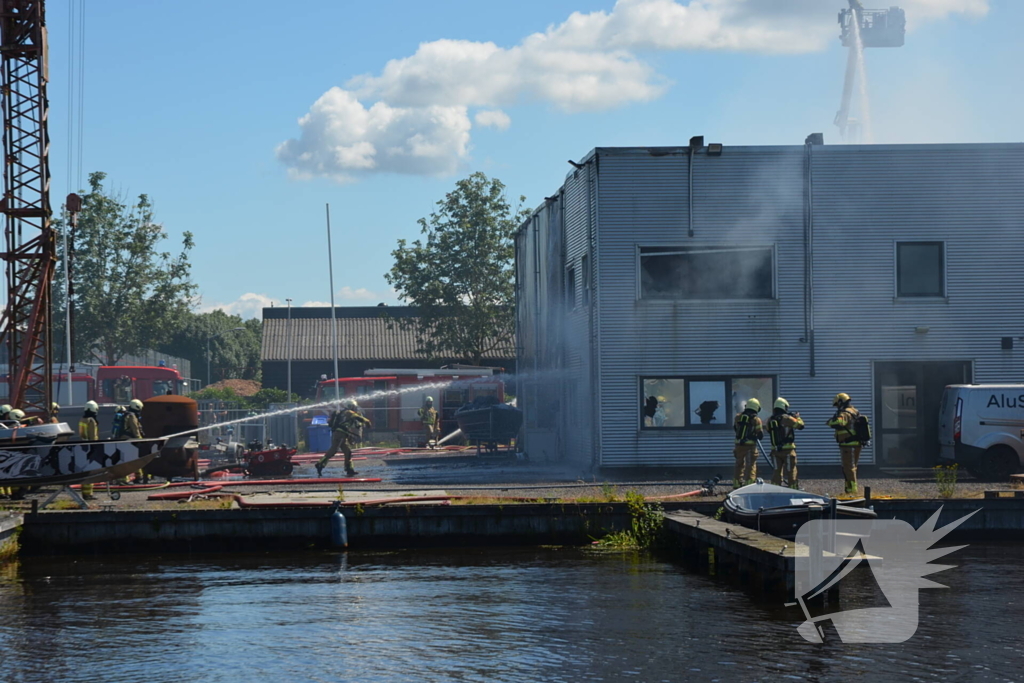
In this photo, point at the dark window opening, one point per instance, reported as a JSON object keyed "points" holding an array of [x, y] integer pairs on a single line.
{"points": [[920, 269], [706, 273]]}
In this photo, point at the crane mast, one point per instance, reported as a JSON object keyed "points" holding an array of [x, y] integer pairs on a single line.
{"points": [[29, 242]]}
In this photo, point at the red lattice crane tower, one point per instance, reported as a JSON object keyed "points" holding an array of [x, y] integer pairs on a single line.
{"points": [[29, 242]]}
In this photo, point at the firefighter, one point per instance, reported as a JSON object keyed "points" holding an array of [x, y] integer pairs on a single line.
{"points": [[54, 413], [5, 412], [429, 417], [748, 429], [18, 415], [133, 420], [849, 447], [133, 430], [346, 430], [782, 428], [89, 430], [117, 426]]}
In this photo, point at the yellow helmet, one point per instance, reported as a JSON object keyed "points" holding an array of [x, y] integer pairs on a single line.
{"points": [[54, 408], [754, 404], [6, 408], [92, 405], [17, 414], [781, 403], [135, 404], [840, 399]]}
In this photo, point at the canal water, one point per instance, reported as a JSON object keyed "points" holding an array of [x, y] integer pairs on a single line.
{"points": [[551, 614]]}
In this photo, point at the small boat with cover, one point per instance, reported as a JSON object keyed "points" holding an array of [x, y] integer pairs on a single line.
{"points": [[489, 422], [781, 511]]}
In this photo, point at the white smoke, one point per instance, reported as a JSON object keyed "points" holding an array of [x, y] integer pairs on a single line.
{"points": [[418, 117]]}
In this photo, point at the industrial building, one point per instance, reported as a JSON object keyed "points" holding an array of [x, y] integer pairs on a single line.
{"points": [[704, 275], [368, 337]]}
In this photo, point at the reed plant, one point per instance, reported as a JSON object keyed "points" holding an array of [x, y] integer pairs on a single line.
{"points": [[945, 479]]}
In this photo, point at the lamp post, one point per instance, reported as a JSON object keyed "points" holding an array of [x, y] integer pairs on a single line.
{"points": [[212, 336], [288, 332]]}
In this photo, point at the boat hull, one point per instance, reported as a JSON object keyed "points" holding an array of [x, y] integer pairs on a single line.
{"points": [[786, 522], [76, 462], [781, 512]]}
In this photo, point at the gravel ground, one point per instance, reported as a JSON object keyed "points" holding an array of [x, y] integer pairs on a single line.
{"points": [[464, 473]]}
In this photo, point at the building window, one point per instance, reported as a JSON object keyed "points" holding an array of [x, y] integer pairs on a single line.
{"points": [[713, 401], [570, 287], [707, 273], [920, 269], [585, 272]]}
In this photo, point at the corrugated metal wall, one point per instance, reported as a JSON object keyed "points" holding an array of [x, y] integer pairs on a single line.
{"points": [[864, 199]]}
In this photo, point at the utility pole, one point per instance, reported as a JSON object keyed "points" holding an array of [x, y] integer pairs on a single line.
{"points": [[334, 318], [288, 332]]}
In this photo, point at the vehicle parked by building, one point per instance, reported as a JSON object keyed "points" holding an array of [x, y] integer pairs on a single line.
{"points": [[981, 427]]}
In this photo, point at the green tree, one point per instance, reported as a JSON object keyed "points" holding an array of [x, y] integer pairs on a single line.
{"points": [[460, 277], [234, 354], [129, 295]]}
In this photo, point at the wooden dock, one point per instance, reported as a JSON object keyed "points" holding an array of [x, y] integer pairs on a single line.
{"points": [[759, 562]]}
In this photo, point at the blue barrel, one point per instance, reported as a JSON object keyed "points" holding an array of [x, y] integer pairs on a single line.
{"points": [[339, 530], [319, 438]]}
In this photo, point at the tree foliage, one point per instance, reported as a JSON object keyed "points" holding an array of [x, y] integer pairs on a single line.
{"points": [[129, 295], [460, 276], [233, 354], [261, 400]]}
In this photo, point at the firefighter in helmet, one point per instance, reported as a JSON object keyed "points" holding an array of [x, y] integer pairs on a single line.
{"points": [[89, 430], [346, 430], [428, 414], [54, 413], [782, 428], [749, 430], [844, 424], [133, 430]]}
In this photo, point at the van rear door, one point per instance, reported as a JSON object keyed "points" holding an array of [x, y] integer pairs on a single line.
{"points": [[952, 396]]}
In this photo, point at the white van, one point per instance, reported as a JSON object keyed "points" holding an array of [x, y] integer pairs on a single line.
{"points": [[980, 427]]}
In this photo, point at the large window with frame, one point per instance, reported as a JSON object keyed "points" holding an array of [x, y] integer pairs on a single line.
{"points": [[703, 273], [700, 402], [920, 269]]}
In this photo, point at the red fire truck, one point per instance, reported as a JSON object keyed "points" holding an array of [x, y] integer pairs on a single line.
{"points": [[391, 398], [114, 384]]}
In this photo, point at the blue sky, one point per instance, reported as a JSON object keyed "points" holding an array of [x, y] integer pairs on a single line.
{"points": [[191, 101]]}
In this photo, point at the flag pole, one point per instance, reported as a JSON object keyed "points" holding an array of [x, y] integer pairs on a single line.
{"points": [[334, 319]]}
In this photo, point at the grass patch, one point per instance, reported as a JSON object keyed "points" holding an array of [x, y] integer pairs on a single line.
{"points": [[647, 523], [609, 493], [492, 500]]}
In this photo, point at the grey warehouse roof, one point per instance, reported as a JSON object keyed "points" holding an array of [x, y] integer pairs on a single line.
{"points": [[364, 333]]}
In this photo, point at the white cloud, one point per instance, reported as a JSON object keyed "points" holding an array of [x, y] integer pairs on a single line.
{"points": [[494, 118], [341, 138], [316, 304], [419, 120], [356, 294], [249, 305]]}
